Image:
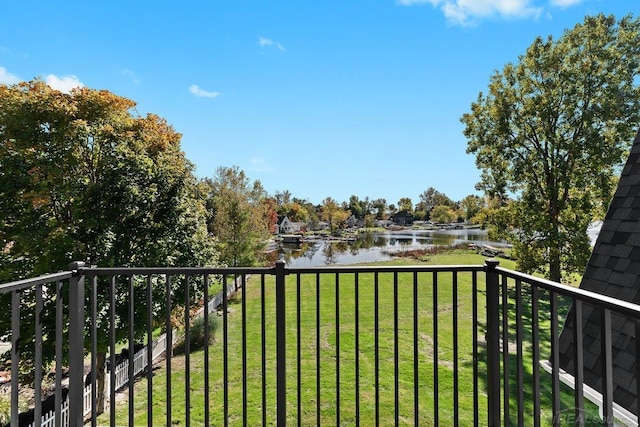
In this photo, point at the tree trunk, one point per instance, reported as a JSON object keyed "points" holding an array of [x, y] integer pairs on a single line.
{"points": [[555, 271], [101, 357]]}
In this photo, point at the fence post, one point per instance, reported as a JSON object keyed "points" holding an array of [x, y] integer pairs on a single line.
{"points": [[493, 342], [76, 344], [281, 344]]}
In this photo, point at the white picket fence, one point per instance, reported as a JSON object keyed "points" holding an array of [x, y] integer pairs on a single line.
{"points": [[159, 346], [122, 371], [122, 379], [49, 419]]}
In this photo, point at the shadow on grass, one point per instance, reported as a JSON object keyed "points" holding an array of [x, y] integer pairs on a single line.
{"points": [[525, 391]]}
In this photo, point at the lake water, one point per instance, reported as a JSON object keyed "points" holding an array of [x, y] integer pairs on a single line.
{"points": [[372, 247]]}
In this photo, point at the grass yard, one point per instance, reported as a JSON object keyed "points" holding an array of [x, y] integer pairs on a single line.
{"points": [[340, 332]]}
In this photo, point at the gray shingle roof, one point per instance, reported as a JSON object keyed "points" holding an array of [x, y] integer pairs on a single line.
{"points": [[614, 270]]}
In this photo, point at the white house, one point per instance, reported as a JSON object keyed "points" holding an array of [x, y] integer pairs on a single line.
{"points": [[287, 226]]}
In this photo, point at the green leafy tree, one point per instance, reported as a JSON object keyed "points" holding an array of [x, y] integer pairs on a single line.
{"points": [[297, 212], [82, 178], [405, 204], [443, 214], [431, 198], [239, 216], [358, 208], [419, 214], [495, 216], [366, 206], [369, 221], [355, 206], [283, 197], [552, 131], [470, 206], [295, 209], [380, 206], [334, 214]]}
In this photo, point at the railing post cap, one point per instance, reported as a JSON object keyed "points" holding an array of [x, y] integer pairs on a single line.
{"points": [[491, 263], [76, 265], [280, 265]]}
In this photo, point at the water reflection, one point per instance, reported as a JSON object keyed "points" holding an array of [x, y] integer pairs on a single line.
{"points": [[372, 247]]}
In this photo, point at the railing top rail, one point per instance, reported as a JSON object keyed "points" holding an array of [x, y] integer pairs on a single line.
{"points": [[596, 299], [35, 281], [385, 269], [117, 271], [593, 298], [270, 270]]}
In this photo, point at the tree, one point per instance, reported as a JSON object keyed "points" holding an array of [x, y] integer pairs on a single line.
{"points": [[355, 206], [239, 216], [81, 178], [470, 206], [358, 208], [334, 215], [552, 131], [309, 209], [369, 221], [271, 214], [431, 198], [380, 205], [405, 204], [366, 207], [296, 212], [443, 214], [283, 197]]}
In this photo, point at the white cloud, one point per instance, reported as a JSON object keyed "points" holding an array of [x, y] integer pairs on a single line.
{"points": [[195, 90], [265, 42], [64, 83], [464, 12], [565, 3], [6, 78], [412, 2], [130, 75]]}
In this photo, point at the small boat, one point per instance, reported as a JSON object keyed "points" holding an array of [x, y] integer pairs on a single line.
{"points": [[292, 238]]}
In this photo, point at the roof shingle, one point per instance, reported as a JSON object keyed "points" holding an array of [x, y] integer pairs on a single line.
{"points": [[614, 270]]}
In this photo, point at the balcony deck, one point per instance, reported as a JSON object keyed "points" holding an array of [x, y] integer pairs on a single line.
{"points": [[422, 345]]}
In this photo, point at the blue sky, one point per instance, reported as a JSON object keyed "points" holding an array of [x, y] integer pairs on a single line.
{"points": [[321, 98]]}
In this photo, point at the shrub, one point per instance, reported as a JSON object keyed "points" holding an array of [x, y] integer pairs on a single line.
{"points": [[5, 410], [196, 334]]}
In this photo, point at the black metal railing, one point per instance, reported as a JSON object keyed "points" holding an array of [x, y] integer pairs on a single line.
{"points": [[417, 345], [530, 322]]}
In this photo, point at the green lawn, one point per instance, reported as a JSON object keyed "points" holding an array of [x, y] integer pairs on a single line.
{"points": [[329, 336]]}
